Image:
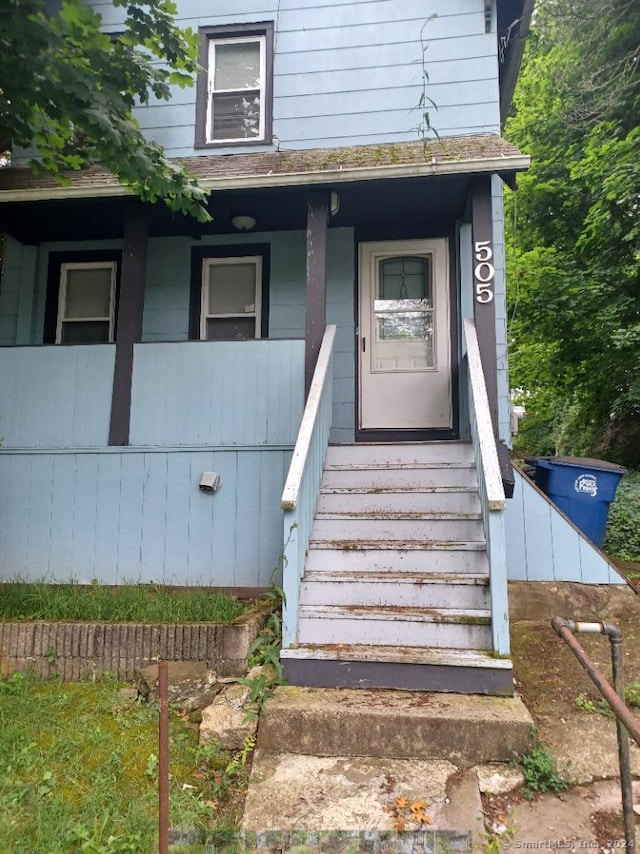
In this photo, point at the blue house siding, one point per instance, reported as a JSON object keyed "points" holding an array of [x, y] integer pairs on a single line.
{"points": [[130, 515], [55, 397], [542, 545], [349, 73], [217, 393]]}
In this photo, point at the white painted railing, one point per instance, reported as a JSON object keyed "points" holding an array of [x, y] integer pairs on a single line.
{"points": [[302, 486], [492, 497]]}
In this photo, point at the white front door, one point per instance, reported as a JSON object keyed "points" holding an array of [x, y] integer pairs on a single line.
{"points": [[405, 346]]}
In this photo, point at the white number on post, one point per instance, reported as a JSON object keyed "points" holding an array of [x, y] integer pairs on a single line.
{"points": [[484, 271]]}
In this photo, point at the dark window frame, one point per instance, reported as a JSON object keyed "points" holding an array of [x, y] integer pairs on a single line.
{"points": [[231, 31], [56, 260], [200, 254]]}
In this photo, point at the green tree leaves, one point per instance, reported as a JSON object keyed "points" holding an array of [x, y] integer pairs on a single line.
{"points": [[68, 91], [575, 248]]}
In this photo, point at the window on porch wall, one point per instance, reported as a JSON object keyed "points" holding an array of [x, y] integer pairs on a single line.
{"points": [[231, 299], [86, 303]]}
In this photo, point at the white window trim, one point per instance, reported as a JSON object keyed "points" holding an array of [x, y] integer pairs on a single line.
{"points": [[211, 92], [204, 292], [62, 296]]}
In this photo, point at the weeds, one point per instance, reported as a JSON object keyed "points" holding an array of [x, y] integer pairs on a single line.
{"points": [[228, 771], [540, 771], [600, 707], [265, 652], [125, 603], [78, 771]]}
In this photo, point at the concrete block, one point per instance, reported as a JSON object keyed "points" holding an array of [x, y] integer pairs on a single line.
{"points": [[462, 728]]}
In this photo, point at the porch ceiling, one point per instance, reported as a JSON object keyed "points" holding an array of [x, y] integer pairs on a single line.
{"points": [[405, 207]]}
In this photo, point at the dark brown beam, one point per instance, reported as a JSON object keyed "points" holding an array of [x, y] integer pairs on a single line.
{"points": [[316, 313], [129, 319], [483, 262]]}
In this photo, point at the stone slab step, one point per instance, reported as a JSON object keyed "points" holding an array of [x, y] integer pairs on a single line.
{"points": [[401, 589], [468, 558], [395, 626], [422, 453], [391, 528], [290, 792], [400, 478], [460, 501], [397, 724]]}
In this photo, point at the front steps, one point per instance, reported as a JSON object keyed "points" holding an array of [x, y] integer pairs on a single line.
{"points": [[463, 729], [395, 592]]}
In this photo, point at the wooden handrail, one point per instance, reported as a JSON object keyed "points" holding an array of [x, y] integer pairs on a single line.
{"points": [[291, 489], [496, 498]]}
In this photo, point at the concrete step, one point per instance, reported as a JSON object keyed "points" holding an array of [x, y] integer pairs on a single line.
{"points": [[422, 453], [460, 501], [395, 626], [400, 478], [429, 558], [390, 527], [400, 589], [395, 724]]}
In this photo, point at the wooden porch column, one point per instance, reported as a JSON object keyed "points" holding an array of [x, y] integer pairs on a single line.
{"points": [[483, 262], [316, 312], [129, 320], [483, 265]]}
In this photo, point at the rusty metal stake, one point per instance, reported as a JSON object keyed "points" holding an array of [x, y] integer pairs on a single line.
{"points": [[163, 754], [625, 722]]}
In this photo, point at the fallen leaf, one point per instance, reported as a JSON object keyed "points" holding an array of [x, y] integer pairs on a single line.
{"points": [[401, 802], [418, 806], [399, 823], [425, 819]]}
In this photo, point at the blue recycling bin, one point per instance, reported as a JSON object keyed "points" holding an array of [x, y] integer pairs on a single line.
{"points": [[582, 488]]}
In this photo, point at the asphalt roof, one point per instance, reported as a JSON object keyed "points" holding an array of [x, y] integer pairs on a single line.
{"points": [[471, 153]]}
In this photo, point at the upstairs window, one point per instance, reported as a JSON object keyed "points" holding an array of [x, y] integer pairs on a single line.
{"points": [[235, 89]]}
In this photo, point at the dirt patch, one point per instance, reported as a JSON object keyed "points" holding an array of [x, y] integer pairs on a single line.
{"points": [[548, 676], [630, 570]]}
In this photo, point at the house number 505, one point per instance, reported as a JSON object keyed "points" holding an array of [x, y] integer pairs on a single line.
{"points": [[484, 271]]}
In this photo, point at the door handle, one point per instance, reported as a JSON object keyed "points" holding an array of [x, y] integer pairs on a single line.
{"points": [[364, 345]]}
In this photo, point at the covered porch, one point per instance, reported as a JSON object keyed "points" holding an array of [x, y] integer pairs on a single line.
{"points": [[92, 431]]}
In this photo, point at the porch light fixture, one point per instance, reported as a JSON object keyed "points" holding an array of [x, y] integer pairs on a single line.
{"points": [[243, 223]]}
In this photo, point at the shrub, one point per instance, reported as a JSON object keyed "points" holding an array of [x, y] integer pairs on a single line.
{"points": [[623, 530]]}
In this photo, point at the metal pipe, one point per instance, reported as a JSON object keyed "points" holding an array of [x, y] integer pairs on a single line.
{"points": [[623, 744], [163, 754], [625, 721], [565, 629]]}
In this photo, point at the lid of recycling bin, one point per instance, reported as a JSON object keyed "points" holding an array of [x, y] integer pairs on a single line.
{"points": [[579, 462]]}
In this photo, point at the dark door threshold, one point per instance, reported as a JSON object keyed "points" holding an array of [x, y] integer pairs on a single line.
{"points": [[406, 435]]}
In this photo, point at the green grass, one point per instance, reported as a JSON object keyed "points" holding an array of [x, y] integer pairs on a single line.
{"points": [[126, 603], [78, 771], [623, 525]]}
